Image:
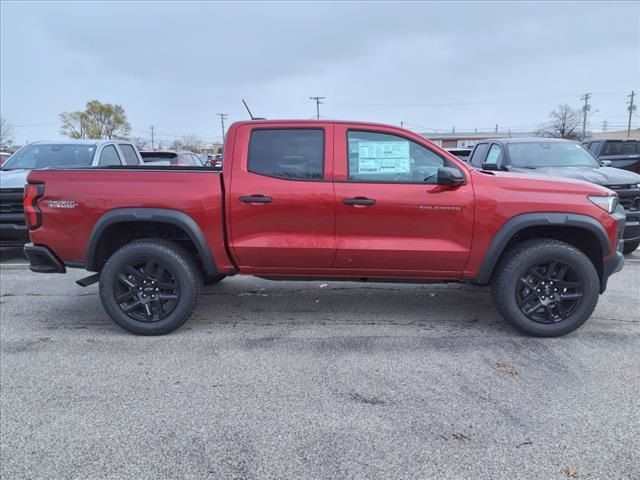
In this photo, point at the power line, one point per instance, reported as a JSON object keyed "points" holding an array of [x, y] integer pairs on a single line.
{"points": [[465, 103], [318, 102], [152, 138]]}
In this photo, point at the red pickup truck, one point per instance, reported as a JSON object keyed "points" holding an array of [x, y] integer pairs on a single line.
{"points": [[326, 200]]}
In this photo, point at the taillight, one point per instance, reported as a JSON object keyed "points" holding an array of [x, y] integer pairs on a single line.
{"points": [[32, 213]]}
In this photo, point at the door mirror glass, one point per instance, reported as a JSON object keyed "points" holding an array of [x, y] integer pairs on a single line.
{"points": [[450, 177]]}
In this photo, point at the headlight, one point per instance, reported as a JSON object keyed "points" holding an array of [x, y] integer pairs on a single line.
{"points": [[608, 203]]}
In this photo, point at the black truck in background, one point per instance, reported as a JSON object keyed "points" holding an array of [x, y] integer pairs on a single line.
{"points": [[618, 153], [560, 158]]}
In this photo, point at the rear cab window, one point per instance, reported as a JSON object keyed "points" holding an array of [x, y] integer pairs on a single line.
{"points": [[290, 154]]}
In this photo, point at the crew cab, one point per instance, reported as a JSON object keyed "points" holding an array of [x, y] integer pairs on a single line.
{"points": [[616, 152], [559, 158], [46, 154], [326, 200]]}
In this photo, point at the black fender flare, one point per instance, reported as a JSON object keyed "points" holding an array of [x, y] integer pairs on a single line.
{"points": [[541, 219], [159, 215]]}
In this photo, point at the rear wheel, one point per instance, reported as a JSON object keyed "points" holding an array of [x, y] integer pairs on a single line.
{"points": [[545, 288], [630, 247], [150, 287]]}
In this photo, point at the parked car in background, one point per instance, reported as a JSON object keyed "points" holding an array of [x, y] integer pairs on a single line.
{"points": [[174, 158], [618, 153], [4, 156], [462, 153], [325, 199], [43, 154], [559, 158]]}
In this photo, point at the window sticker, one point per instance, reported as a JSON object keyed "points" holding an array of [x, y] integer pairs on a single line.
{"points": [[383, 157]]}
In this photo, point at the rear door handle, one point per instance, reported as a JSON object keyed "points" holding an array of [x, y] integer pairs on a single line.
{"points": [[359, 201], [256, 199]]}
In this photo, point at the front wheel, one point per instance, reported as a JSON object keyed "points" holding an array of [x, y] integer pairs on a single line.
{"points": [[545, 288], [630, 247], [150, 287]]}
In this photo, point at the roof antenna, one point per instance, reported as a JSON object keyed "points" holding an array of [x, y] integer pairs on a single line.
{"points": [[247, 107], [251, 114]]}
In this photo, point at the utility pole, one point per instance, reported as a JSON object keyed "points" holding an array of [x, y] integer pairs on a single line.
{"points": [[153, 138], [631, 109], [496, 128], [222, 117], [401, 124], [318, 102], [585, 110]]}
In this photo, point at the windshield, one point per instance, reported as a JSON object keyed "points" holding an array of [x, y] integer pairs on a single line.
{"points": [[550, 154], [50, 155]]}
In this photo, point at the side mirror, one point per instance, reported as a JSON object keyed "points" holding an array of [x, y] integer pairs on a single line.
{"points": [[493, 166], [450, 177], [606, 163]]}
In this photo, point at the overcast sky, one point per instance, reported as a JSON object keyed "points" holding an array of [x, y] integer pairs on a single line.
{"points": [[432, 65]]}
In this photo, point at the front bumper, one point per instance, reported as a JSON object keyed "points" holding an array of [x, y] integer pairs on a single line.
{"points": [[13, 234], [632, 227], [614, 263], [42, 259]]}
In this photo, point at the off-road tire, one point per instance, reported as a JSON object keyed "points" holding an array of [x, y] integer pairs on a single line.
{"points": [[511, 278], [181, 269]]}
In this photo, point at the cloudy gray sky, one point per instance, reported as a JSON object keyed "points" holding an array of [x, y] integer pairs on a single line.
{"points": [[432, 65]]}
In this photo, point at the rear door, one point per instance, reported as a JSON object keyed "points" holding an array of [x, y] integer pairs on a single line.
{"points": [[391, 216], [280, 204]]}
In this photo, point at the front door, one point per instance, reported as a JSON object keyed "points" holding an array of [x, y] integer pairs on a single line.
{"points": [[391, 216], [281, 201]]}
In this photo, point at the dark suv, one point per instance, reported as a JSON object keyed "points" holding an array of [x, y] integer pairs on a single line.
{"points": [[560, 158], [619, 153]]}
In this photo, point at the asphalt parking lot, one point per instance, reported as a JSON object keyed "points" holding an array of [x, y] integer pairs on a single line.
{"points": [[280, 380]]}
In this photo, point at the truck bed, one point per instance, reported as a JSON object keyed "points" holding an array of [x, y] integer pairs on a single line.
{"points": [[75, 199]]}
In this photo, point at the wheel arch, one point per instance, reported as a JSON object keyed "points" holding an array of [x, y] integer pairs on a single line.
{"points": [[582, 231], [144, 215]]}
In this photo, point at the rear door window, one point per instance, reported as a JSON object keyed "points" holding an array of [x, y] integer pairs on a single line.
{"points": [[109, 156], [291, 154]]}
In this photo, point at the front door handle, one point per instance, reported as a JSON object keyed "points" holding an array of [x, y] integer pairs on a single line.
{"points": [[359, 201], [256, 199]]}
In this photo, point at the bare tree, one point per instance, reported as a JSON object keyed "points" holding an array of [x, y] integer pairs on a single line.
{"points": [[6, 133], [140, 143], [564, 123], [192, 142]]}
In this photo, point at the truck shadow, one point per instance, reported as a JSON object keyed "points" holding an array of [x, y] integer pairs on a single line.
{"points": [[264, 303]]}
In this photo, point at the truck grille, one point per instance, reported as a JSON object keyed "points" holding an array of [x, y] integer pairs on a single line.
{"points": [[629, 196], [11, 203]]}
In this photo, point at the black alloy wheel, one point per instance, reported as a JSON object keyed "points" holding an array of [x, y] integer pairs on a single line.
{"points": [[549, 292], [146, 291], [150, 286]]}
